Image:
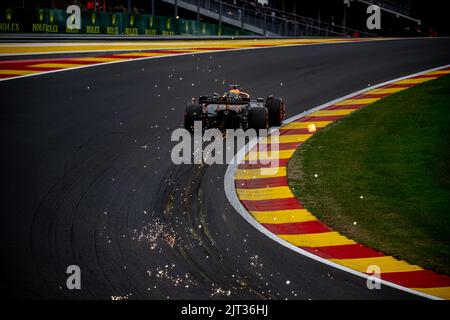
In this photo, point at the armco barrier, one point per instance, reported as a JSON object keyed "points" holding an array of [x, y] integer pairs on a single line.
{"points": [[49, 21]]}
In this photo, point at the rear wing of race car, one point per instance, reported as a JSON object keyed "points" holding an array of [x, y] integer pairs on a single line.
{"points": [[222, 100]]}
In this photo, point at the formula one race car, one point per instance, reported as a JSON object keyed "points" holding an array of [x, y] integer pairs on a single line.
{"points": [[234, 110]]}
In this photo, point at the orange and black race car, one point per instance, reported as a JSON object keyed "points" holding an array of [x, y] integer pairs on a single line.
{"points": [[234, 110]]}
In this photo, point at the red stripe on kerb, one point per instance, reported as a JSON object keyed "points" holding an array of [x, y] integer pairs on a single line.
{"points": [[39, 70], [320, 118], [35, 61], [30, 65], [273, 164], [375, 95], [280, 146], [126, 57], [398, 86], [417, 279], [73, 61], [297, 227], [260, 183], [348, 251], [426, 76], [132, 54], [273, 204], [347, 107], [289, 132]]}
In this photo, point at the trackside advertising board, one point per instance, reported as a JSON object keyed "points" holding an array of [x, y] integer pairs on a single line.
{"points": [[23, 20]]}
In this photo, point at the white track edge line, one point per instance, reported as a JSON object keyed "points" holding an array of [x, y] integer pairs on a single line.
{"points": [[73, 44], [232, 197], [343, 41]]}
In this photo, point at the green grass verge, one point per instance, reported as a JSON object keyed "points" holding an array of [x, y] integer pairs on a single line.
{"points": [[394, 153]]}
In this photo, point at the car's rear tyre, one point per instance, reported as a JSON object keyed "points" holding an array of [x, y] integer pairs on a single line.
{"points": [[276, 109], [193, 112], [258, 118]]}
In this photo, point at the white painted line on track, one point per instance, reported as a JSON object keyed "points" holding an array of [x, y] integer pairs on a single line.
{"points": [[176, 45], [231, 194], [176, 55]]}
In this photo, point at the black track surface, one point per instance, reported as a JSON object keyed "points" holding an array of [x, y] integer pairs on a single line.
{"points": [[87, 177]]}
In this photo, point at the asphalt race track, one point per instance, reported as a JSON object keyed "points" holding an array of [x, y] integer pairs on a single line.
{"points": [[87, 177]]}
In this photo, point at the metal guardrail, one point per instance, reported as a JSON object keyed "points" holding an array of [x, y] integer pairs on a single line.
{"points": [[267, 21], [402, 7], [393, 8], [338, 29]]}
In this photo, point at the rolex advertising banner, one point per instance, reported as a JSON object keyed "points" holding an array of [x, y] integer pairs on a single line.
{"points": [[19, 20], [48, 21], [12, 20]]}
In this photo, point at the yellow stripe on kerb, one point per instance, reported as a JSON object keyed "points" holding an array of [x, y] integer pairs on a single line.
{"points": [[357, 101], [260, 173], [385, 91], [145, 54], [304, 125], [286, 138], [415, 81], [283, 216], [7, 48], [386, 264], [317, 239], [265, 193], [263, 155], [324, 113], [56, 65], [18, 72], [441, 292], [438, 73], [98, 59]]}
